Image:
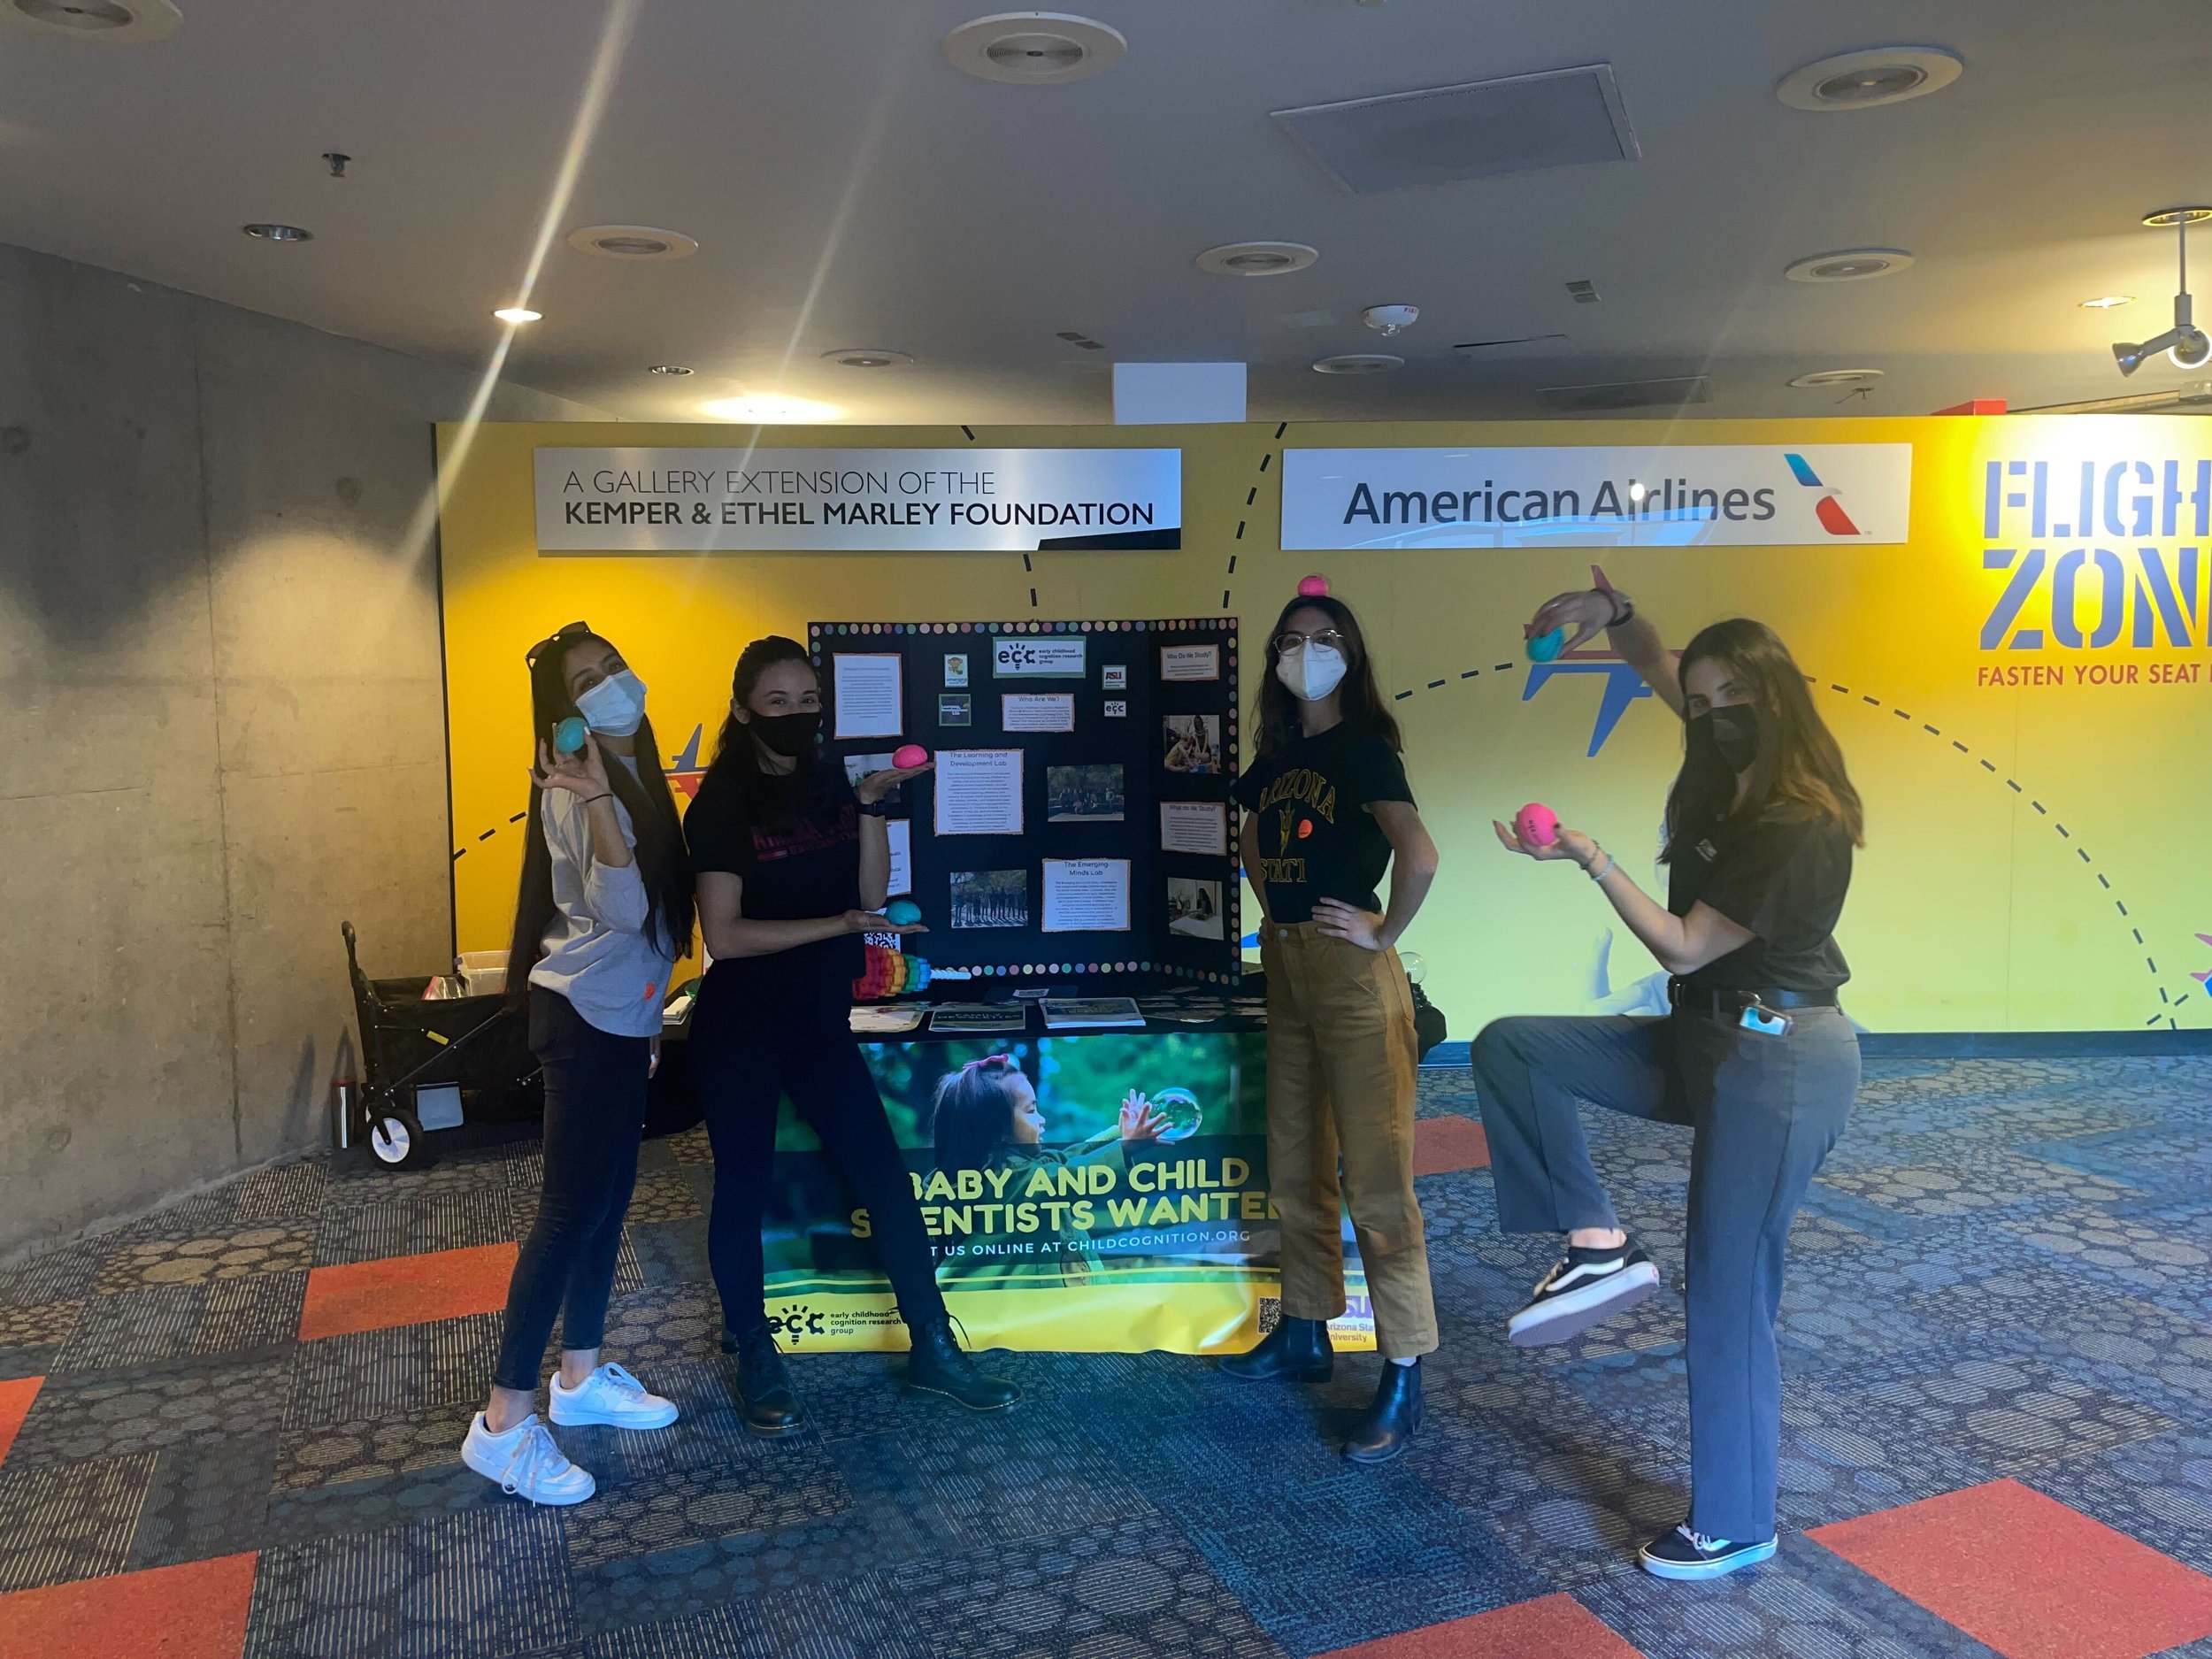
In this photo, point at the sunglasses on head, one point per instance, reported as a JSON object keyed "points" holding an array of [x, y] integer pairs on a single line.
{"points": [[560, 637]]}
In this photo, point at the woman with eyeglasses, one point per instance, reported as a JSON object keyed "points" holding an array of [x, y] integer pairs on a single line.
{"points": [[1326, 808], [602, 912], [1756, 1057], [794, 864]]}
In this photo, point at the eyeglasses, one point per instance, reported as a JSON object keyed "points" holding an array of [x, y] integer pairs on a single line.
{"points": [[1289, 641], [560, 638]]}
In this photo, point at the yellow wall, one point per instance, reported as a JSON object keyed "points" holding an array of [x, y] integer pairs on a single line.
{"points": [[1972, 910]]}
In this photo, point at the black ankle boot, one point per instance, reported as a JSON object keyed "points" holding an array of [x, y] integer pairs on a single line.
{"points": [[1388, 1426], [1294, 1347], [936, 1366], [764, 1387]]}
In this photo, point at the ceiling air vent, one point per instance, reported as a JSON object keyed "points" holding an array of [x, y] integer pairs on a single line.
{"points": [[1564, 118], [1619, 394]]}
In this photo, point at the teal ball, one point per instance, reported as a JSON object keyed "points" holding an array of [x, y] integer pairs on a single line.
{"points": [[568, 736], [902, 912], [1544, 647]]}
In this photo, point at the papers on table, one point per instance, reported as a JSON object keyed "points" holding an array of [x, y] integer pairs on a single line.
{"points": [[884, 1021], [1036, 710], [1090, 1013], [1194, 826], [866, 689], [1087, 895], [978, 792]]}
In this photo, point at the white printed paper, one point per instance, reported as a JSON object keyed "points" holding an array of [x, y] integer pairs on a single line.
{"points": [[1043, 656], [866, 690], [1195, 826], [1036, 710], [1190, 662], [978, 792], [902, 856], [1087, 895]]}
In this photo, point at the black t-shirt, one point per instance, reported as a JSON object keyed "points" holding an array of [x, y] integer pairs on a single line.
{"points": [[1317, 840], [1782, 875], [805, 866]]}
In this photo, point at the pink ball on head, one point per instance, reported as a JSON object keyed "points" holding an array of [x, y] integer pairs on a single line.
{"points": [[1537, 825], [910, 755], [1313, 588]]}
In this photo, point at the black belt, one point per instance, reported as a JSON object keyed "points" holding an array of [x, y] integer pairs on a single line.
{"points": [[1728, 1005]]}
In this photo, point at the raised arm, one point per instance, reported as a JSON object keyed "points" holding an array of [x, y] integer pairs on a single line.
{"points": [[1605, 610]]}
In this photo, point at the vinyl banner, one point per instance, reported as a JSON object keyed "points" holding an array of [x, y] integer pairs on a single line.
{"points": [[1104, 1192], [1557, 496], [942, 501]]}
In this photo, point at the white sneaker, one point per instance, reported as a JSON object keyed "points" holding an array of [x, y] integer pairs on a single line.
{"points": [[525, 1461], [612, 1396]]}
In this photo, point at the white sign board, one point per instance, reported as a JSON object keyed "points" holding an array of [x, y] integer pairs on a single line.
{"points": [[1660, 496], [921, 501]]}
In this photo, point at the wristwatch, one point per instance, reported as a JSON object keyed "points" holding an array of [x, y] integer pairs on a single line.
{"points": [[875, 809], [1624, 607]]}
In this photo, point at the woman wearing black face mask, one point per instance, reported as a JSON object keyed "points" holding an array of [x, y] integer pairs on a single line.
{"points": [[793, 864], [1756, 1056]]}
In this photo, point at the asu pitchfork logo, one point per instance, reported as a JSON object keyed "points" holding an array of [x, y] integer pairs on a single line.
{"points": [[1833, 519]]}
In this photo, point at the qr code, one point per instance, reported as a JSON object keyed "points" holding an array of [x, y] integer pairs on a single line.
{"points": [[1271, 1313]]}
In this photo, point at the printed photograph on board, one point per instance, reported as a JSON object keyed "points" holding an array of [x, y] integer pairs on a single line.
{"points": [[1194, 907], [1193, 743], [990, 898], [1083, 794]]}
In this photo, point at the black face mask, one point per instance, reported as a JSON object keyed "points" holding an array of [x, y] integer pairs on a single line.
{"points": [[1730, 735], [790, 736]]}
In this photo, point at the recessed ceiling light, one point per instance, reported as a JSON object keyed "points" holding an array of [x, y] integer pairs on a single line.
{"points": [[1358, 363], [517, 314], [668, 368], [769, 410], [867, 357], [1852, 264], [2107, 302], [1256, 258], [118, 22], [1862, 80], [1035, 49], [1838, 377], [278, 232], [632, 242]]}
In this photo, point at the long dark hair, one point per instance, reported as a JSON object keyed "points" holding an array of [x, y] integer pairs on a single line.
{"points": [[974, 1112], [769, 797], [663, 862], [1359, 698], [1799, 766]]}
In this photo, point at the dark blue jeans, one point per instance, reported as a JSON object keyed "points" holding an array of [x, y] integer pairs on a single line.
{"points": [[1763, 1113], [594, 1117]]}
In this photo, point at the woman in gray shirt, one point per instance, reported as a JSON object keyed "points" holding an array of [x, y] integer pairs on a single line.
{"points": [[603, 912]]}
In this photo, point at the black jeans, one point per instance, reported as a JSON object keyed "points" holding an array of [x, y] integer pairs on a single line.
{"points": [[595, 1117], [747, 1054], [1763, 1113]]}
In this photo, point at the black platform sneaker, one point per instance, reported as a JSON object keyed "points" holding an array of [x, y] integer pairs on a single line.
{"points": [[1589, 1285], [1682, 1554]]}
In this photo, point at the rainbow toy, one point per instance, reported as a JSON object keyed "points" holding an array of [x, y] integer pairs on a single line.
{"points": [[889, 973]]}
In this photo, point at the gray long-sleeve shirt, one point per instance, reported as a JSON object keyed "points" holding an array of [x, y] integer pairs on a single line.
{"points": [[597, 954]]}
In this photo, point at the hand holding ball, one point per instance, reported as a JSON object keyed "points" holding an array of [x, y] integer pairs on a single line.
{"points": [[902, 912], [568, 736], [1537, 825], [908, 757], [1544, 647], [1313, 588]]}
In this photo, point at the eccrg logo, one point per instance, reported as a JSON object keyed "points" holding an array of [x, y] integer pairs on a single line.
{"points": [[794, 1323], [2094, 549]]}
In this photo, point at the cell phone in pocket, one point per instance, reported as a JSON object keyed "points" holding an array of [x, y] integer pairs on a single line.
{"points": [[1765, 1021]]}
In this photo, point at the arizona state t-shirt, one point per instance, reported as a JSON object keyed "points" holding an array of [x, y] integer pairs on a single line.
{"points": [[1318, 838]]}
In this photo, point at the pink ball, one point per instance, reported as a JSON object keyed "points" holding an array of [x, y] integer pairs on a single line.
{"points": [[910, 755], [1313, 588], [1537, 825]]}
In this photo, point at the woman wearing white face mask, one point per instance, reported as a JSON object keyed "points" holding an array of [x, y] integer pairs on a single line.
{"points": [[1326, 808], [603, 910]]}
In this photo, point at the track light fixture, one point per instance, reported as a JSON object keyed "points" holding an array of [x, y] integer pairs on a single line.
{"points": [[2184, 344]]}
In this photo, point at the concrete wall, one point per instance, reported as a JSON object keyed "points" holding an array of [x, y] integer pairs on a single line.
{"points": [[222, 701]]}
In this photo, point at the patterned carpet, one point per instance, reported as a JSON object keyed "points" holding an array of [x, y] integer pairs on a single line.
{"points": [[1998, 1342]]}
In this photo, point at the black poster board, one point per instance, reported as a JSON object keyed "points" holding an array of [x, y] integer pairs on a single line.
{"points": [[1156, 700]]}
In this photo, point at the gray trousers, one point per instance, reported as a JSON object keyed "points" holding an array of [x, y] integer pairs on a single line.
{"points": [[1763, 1112]]}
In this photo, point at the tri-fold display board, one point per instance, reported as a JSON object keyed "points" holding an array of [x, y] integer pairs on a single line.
{"points": [[1076, 829]]}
